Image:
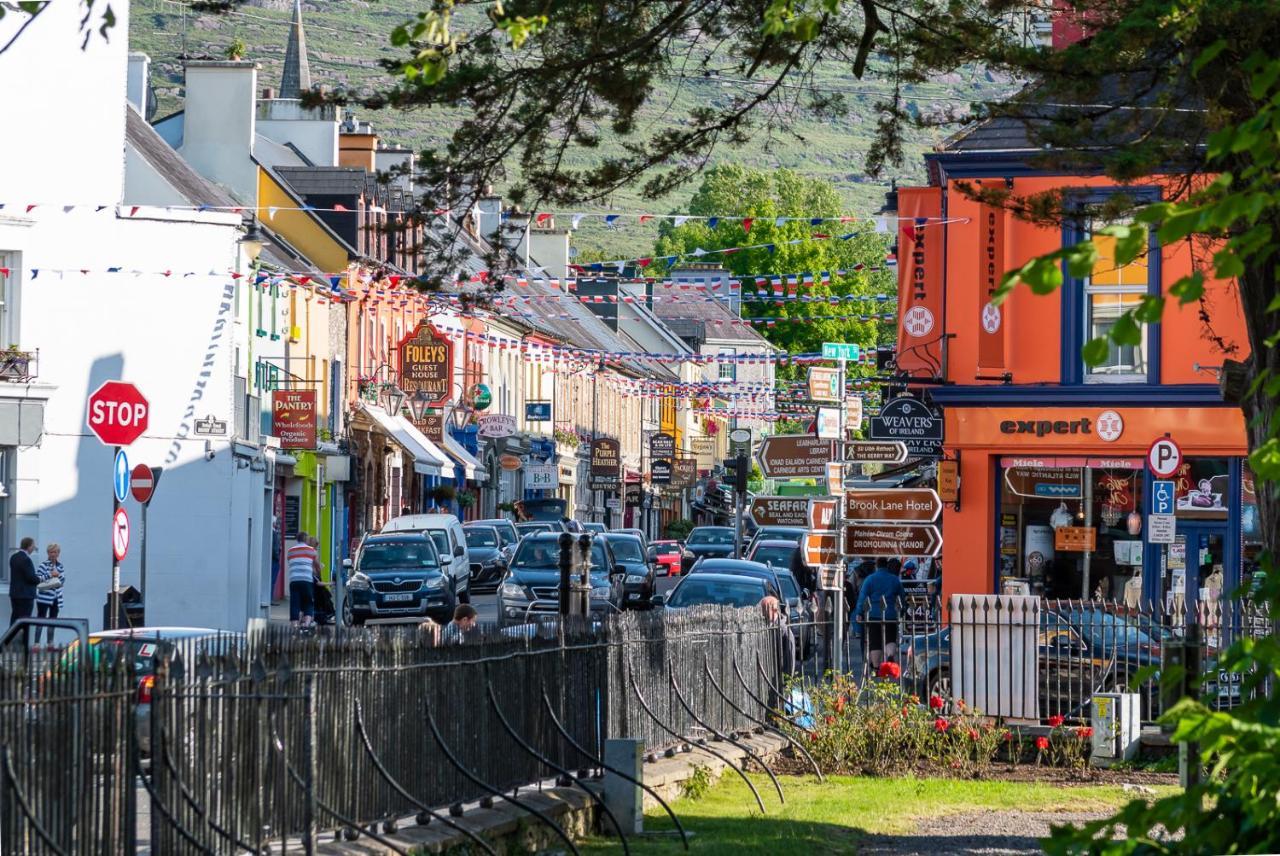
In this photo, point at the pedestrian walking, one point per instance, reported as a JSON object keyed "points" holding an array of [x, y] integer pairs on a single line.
{"points": [[877, 612], [302, 562], [23, 580], [53, 577]]}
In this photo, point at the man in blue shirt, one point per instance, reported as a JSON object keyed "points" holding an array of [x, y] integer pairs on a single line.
{"points": [[877, 612]]}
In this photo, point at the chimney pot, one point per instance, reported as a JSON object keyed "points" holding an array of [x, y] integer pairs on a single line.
{"points": [[268, 93]]}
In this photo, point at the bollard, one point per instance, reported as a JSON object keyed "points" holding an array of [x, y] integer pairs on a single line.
{"points": [[566, 569], [625, 799]]}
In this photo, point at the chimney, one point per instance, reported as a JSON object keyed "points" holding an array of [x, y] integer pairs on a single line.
{"points": [[549, 249], [219, 123], [139, 80], [268, 93], [489, 210], [357, 145]]}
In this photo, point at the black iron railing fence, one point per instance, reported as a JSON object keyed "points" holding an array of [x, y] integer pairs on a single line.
{"points": [[237, 744], [1045, 658]]}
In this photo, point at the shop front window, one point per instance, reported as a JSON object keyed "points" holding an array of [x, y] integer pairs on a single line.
{"points": [[1071, 527]]}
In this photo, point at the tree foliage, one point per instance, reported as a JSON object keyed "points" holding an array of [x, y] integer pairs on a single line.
{"points": [[735, 192]]}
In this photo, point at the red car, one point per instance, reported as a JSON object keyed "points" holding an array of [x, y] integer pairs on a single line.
{"points": [[668, 555]]}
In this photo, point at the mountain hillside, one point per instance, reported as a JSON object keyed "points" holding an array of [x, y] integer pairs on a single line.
{"points": [[345, 39]]}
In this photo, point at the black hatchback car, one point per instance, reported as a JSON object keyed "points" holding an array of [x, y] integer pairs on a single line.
{"points": [[531, 587], [489, 556], [711, 542], [398, 575]]}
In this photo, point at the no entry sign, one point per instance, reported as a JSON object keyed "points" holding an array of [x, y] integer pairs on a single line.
{"points": [[118, 413], [142, 483]]}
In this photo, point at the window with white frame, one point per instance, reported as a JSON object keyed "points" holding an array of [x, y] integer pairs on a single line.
{"points": [[1110, 290], [728, 368]]}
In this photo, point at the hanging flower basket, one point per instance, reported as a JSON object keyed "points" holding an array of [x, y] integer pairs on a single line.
{"points": [[17, 366]]}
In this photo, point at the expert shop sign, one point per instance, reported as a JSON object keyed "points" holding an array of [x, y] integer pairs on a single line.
{"points": [[293, 418]]}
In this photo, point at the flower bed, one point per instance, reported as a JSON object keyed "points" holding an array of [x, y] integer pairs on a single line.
{"points": [[880, 729]]}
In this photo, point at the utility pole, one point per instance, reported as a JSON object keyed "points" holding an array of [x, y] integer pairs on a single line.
{"points": [[595, 426], [741, 468]]}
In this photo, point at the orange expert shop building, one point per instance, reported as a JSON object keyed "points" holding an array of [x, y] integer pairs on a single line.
{"points": [[1055, 494]]}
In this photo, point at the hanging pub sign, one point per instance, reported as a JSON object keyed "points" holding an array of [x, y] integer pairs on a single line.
{"points": [[293, 418], [480, 396], [991, 326], [426, 365], [537, 411], [662, 445], [660, 471], [684, 472], [432, 424], [606, 464], [497, 425]]}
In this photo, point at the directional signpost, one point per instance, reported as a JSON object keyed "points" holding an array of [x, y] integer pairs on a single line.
{"points": [[873, 541], [821, 548], [780, 510], [875, 452], [890, 505], [789, 456], [822, 513]]}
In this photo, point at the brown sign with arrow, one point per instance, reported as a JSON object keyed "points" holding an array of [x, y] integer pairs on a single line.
{"points": [[780, 510], [893, 505], [822, 513], [875, 452], [871, 540], [821, 548], [803, 456]]}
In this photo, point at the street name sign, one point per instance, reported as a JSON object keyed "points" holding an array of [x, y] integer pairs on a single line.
{"points": [[872, 540], [875, 452], [785, 456], [840, 351], [892, 505], [821, 548], [118, 413], [780, 510]]}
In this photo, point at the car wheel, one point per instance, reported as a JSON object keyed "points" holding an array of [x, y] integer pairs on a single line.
{"points": [[464, 596], [348, 617], [940, 685]]}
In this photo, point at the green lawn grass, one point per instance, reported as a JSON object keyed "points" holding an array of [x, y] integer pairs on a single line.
{"points": [[833, 817]]}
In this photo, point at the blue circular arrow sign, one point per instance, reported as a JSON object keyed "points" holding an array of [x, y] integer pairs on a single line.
{"points": [[120, 478]]}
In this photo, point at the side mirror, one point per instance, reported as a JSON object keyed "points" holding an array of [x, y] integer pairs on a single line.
{"points": [[346, 563], [458, 551], [658, 599]]}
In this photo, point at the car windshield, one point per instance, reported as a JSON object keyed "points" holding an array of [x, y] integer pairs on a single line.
{"points": [[534, 528], [399, 554], [544, 554], [627, 550], [779, 557], [1103, 627], [667, 549], [694, 591], [789, 588], [482, 538], [711, 536]]}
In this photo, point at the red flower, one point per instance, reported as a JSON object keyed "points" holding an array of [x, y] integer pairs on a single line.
{"points": [[1042, 743], [940, 724], [1008, 737], [1056, 720], [973, 735], [839, 705], [1084, 733], [936, 702], [813, 737], [890, 670], [959, 704], [831, 720]]}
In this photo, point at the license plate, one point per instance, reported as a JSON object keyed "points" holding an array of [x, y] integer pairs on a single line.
{"points": [[635, 595], [392, 598]]}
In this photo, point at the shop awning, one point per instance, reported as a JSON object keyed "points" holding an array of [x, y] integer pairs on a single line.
{"points": [[470, 466], [428, 460]]}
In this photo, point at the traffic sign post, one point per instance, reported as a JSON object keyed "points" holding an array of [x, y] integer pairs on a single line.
{"points": [[1163, 493], [796, 456], [780, 510], [890, 505], [872, 540], [1164, 457], [875, 452], [142, 484], [120, 475]]}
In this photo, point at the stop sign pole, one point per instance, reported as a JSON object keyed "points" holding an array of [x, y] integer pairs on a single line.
{"points": [[117, 414]]}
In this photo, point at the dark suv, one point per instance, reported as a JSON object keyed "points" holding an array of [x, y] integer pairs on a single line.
{"points": [[398, 575], [532, 584]]}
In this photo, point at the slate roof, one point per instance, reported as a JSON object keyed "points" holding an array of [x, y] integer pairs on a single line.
{"points": [[677, 306], [177, 173], [324, 180]]}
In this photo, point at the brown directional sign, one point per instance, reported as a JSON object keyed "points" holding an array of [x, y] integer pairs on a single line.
{"points": [[893, 505], [870, 540], [780, 510], [822, 513], [875, 452], [821, 548], [802, 456]]}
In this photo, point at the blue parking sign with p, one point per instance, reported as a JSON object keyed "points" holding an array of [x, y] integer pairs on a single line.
{"points": [[1162, 494]]}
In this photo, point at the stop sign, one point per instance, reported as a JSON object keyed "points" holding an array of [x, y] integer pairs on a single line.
{"points": [[118, 413]]}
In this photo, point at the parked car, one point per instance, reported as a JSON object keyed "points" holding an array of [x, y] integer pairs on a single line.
{"points": [[143, 645], [710, 541], [800, 608], [669, 557], [507, 529], [532, 585], [399, 575], [489, 556], [639, 533], [776, 533], [641, 581], [533, 527], [776, 553], [595, 528], [713, 590], [451, 542]]}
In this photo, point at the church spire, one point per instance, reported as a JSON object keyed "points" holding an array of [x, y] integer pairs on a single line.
{"points": [[296, 78]]}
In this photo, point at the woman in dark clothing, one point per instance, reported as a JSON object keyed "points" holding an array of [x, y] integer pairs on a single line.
{"points": [[803, 573]]}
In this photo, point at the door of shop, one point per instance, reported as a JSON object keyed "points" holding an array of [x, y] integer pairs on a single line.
{"points": [[1197, 570]]}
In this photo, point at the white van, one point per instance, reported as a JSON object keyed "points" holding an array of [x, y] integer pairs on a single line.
{"points": [[451, 543]]}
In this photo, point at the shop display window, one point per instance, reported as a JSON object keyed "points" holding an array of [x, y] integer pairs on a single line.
{"points": [[1071, 527]]}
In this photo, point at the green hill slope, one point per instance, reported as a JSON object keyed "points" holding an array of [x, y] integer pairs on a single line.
{"points": [[345, 39]]}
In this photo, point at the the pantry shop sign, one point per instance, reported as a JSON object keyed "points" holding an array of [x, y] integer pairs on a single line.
{"points": [[426, 365], [293, 418]]}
